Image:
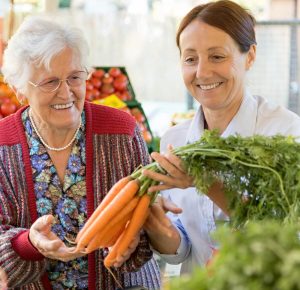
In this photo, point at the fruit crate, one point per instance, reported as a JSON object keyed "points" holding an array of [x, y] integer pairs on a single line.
{"points": [[111, 86], [105, 81], [136, 110]]}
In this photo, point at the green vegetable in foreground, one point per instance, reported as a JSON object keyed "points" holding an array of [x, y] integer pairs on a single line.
{"points": [[262, 255], [264, 171]]}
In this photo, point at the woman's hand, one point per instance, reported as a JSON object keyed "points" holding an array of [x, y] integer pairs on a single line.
{"points": [[48, 243], [163, 235], [121, 259], [176, 176], [3, 280]]}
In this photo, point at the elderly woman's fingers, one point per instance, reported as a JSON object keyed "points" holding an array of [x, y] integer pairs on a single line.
{"points": [[43, 224], [64, 254], [3, 280]]}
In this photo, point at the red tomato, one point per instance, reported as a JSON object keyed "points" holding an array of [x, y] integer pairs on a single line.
{"points": [[89, 86], [95, 82], [99, 73], [89, 96], [8, 108], [107, 89], [107, 79], [125, 96], [147, 136], [120, 85], [138, 115], [114, 71], [95, 93], [121, 78]]}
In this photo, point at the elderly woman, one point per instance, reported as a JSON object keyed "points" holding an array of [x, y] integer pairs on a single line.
{"points": [[217, 47], [59, 156]]}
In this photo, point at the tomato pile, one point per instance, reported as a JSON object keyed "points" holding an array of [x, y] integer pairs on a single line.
{"points": [[139, 116], [105, 82], [8, 101]]}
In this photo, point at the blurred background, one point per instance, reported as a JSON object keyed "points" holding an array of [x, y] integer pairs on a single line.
{"points": [[140, 36]]}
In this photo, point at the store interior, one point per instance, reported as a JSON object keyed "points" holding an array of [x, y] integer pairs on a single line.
{"points": [[135, 60], [139, 35]]}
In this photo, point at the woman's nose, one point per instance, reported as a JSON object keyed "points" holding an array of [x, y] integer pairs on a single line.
{"points": [[203, 69], [64, 89]]}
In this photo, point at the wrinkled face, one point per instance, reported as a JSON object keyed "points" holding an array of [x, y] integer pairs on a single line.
{"points": [[62, 108], [212, 65]]}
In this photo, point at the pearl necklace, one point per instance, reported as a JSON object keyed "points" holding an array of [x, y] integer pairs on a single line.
{"points": [[43, 141]]}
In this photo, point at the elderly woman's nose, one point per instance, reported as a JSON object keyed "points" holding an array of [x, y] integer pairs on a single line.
{"points": [[64, 89]]}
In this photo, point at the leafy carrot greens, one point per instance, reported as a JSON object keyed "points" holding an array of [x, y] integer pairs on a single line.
{"points": [[261, 175]]}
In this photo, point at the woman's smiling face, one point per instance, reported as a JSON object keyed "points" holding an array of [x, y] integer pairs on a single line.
{"points": [[62, 108], [213, 67]]}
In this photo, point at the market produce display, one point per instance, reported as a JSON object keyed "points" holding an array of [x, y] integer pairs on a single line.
{"points": [[263, 255], [8, 101], [111, 86], [105, 81]]}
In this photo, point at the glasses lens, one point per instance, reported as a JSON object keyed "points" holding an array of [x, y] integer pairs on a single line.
{"points": [[49, 85], [77, 78]]}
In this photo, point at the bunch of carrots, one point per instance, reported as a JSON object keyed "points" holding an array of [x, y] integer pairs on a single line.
{"points": [[118, 218]]}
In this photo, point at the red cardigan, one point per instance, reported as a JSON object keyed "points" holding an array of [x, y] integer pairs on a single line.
{"points": [[114, 148]]}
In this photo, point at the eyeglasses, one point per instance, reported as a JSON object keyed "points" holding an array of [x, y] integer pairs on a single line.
{"points": [[51, 85]]}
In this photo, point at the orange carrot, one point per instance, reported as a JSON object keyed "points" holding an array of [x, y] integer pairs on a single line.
{"points": [[104, 238], [112, 255], [138, 219], [107, 199], [111, 210]]}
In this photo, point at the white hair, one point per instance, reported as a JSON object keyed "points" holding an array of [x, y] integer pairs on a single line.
{"points": [[35, 43]]}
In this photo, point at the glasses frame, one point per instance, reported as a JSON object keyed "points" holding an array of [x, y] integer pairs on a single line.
{"points": [[60, 82]]}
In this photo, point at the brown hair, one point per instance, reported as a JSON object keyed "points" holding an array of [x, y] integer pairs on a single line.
{"points": [[227, 16]]}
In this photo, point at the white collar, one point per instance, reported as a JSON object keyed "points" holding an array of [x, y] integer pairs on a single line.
{"points": [[243, 122]]}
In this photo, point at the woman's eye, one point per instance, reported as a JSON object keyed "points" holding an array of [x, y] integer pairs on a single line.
{"points": [[189, 59], [49, 82], [217, 57]]}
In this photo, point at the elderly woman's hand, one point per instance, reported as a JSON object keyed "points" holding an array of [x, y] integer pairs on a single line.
{"points": [[3, 280], [176, 176], [48, 243]]}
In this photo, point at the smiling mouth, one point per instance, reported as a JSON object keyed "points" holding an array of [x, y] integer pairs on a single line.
{"points": [[62, 106], [209, 87]]}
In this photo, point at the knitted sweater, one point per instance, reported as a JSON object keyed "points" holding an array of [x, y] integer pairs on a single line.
{"points": [[114, 148]]}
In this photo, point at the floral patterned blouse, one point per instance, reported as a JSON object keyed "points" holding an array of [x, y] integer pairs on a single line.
{"points": [[66, 202]]}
